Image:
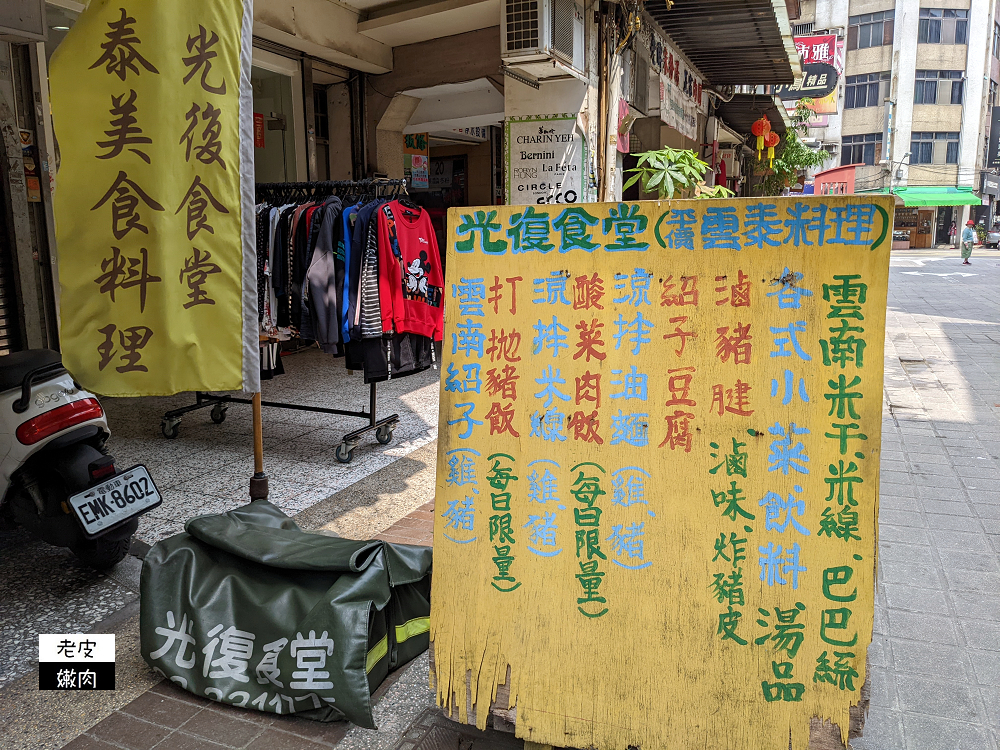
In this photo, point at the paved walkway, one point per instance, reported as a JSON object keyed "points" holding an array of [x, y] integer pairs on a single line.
{"points": [[936, 652]]}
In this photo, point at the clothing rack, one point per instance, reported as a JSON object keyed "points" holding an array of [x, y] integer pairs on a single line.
{"points": [[383, 428]]}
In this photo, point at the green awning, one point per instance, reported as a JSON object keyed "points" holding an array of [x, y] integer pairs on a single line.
{"points": [[931, 195]]}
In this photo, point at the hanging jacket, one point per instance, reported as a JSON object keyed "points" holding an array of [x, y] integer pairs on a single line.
{"points": [[352, 285], [410, 279], [370, 321], [320, 284]]}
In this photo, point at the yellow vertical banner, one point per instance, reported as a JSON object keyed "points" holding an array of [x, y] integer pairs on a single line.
{"points": [[151, 104], [658, 468]]}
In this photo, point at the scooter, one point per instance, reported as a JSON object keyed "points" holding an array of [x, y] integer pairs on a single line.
{"points": [[57, 480]]}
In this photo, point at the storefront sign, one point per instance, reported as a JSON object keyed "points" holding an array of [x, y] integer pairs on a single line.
{"points": [[823, 49], [441, 174], [154, 207], [817, 49], [658, 456], [416, 158], [989, 184], [818, 80], [682, 95], [545, 160], [258, 130], [993, 156]]}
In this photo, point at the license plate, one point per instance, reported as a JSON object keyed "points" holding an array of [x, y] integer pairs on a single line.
{"points": [[115, 500]]}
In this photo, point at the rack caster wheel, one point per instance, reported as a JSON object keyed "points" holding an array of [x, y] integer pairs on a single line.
{"points": [[170, 428], [345, 453], [219, 413], [384, 435]]}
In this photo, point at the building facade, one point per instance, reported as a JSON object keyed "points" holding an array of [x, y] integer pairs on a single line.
{"points": [[366, 88], [915, 101]]}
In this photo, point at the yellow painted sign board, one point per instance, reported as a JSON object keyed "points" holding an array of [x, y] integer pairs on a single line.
{"points": [[658, 468], [154, 204]]}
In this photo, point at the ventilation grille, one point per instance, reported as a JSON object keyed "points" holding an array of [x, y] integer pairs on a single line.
{"points": [[800, 29], [522, 24], [563, 12]]}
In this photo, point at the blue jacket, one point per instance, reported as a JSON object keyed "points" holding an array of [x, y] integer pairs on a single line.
{"points": [[968, 235]]}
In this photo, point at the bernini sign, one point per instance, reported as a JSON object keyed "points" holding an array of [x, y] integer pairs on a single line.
{"points": [[546, 158]]}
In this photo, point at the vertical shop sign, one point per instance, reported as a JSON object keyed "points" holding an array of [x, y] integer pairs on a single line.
{"points": [[154, 211], [658, 468], [258, 130], [545, 160], [416, 158], [993, 157]]}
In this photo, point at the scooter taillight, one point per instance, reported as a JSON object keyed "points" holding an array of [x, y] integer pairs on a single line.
{"points": [[51, 422]]}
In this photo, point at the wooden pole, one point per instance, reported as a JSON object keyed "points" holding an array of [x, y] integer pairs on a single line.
{"points": [[258, 483]]}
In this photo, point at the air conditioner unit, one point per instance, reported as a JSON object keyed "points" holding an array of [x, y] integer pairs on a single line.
{"points": [[543, 38]]}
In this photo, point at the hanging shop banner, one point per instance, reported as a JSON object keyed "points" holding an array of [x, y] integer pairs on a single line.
{"points": [[682, 95], [658, 468], [416, 158], [545, 160], [821, 49], [155, 208]]}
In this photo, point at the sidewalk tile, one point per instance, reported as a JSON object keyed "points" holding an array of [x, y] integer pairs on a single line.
{"points": [[902, 534], [936, 659], [222, 728], [974, 606], [274, 739], [934, 733], [86, 742], [987, 667], [181, 741], [910, 575], [906, 553], [129, 732], [922, 627], [983, 635], [919, 694], [964, 540], [953, 522], [914, 599], [966, 560], [159, 709]]}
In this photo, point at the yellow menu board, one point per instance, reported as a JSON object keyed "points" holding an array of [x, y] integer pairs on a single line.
{"points": [[658, 468]]}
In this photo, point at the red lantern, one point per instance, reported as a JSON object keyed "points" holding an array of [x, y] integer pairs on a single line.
{"points": [[771, 140], [760, 128]]}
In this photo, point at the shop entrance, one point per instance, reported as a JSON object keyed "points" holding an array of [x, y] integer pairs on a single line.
{"points": [[279, 150], [945, 218]]}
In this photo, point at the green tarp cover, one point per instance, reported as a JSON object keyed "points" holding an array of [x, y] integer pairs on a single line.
{"points": [[247, 609], [936, 196]]}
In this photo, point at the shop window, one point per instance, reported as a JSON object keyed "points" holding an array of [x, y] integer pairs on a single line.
{"points": [[870, 30], [866, 90], [861, 149], [938, 87], [943, 26], [933, 148]]}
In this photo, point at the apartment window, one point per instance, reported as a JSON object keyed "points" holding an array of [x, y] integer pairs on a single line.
{"points": [[861, 149], [996, 40], [870, 30], [943, 26], [866, 90], [938, 87], [933, 148]]}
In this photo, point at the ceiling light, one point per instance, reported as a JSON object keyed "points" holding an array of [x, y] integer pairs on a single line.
{"points": [[59, 28]]}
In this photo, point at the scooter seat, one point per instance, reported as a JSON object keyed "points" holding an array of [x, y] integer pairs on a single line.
{"points": [[13, 367]]}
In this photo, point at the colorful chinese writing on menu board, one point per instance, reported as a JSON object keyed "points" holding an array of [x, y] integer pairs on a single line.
{"points": [[658, 467], [154, 201]]}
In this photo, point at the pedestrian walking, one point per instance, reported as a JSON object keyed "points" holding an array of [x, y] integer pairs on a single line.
{"points": [[968, 239]]}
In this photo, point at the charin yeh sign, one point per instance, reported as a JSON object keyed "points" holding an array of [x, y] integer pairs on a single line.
{"points": [[154, 197], [658, 468]]}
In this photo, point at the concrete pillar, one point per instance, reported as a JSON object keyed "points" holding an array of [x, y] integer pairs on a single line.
{"points": [[389, 135], [977, 73], [338, 98]]}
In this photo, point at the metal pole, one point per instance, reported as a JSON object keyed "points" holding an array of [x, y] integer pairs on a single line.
{"points": [[258, 483]]}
